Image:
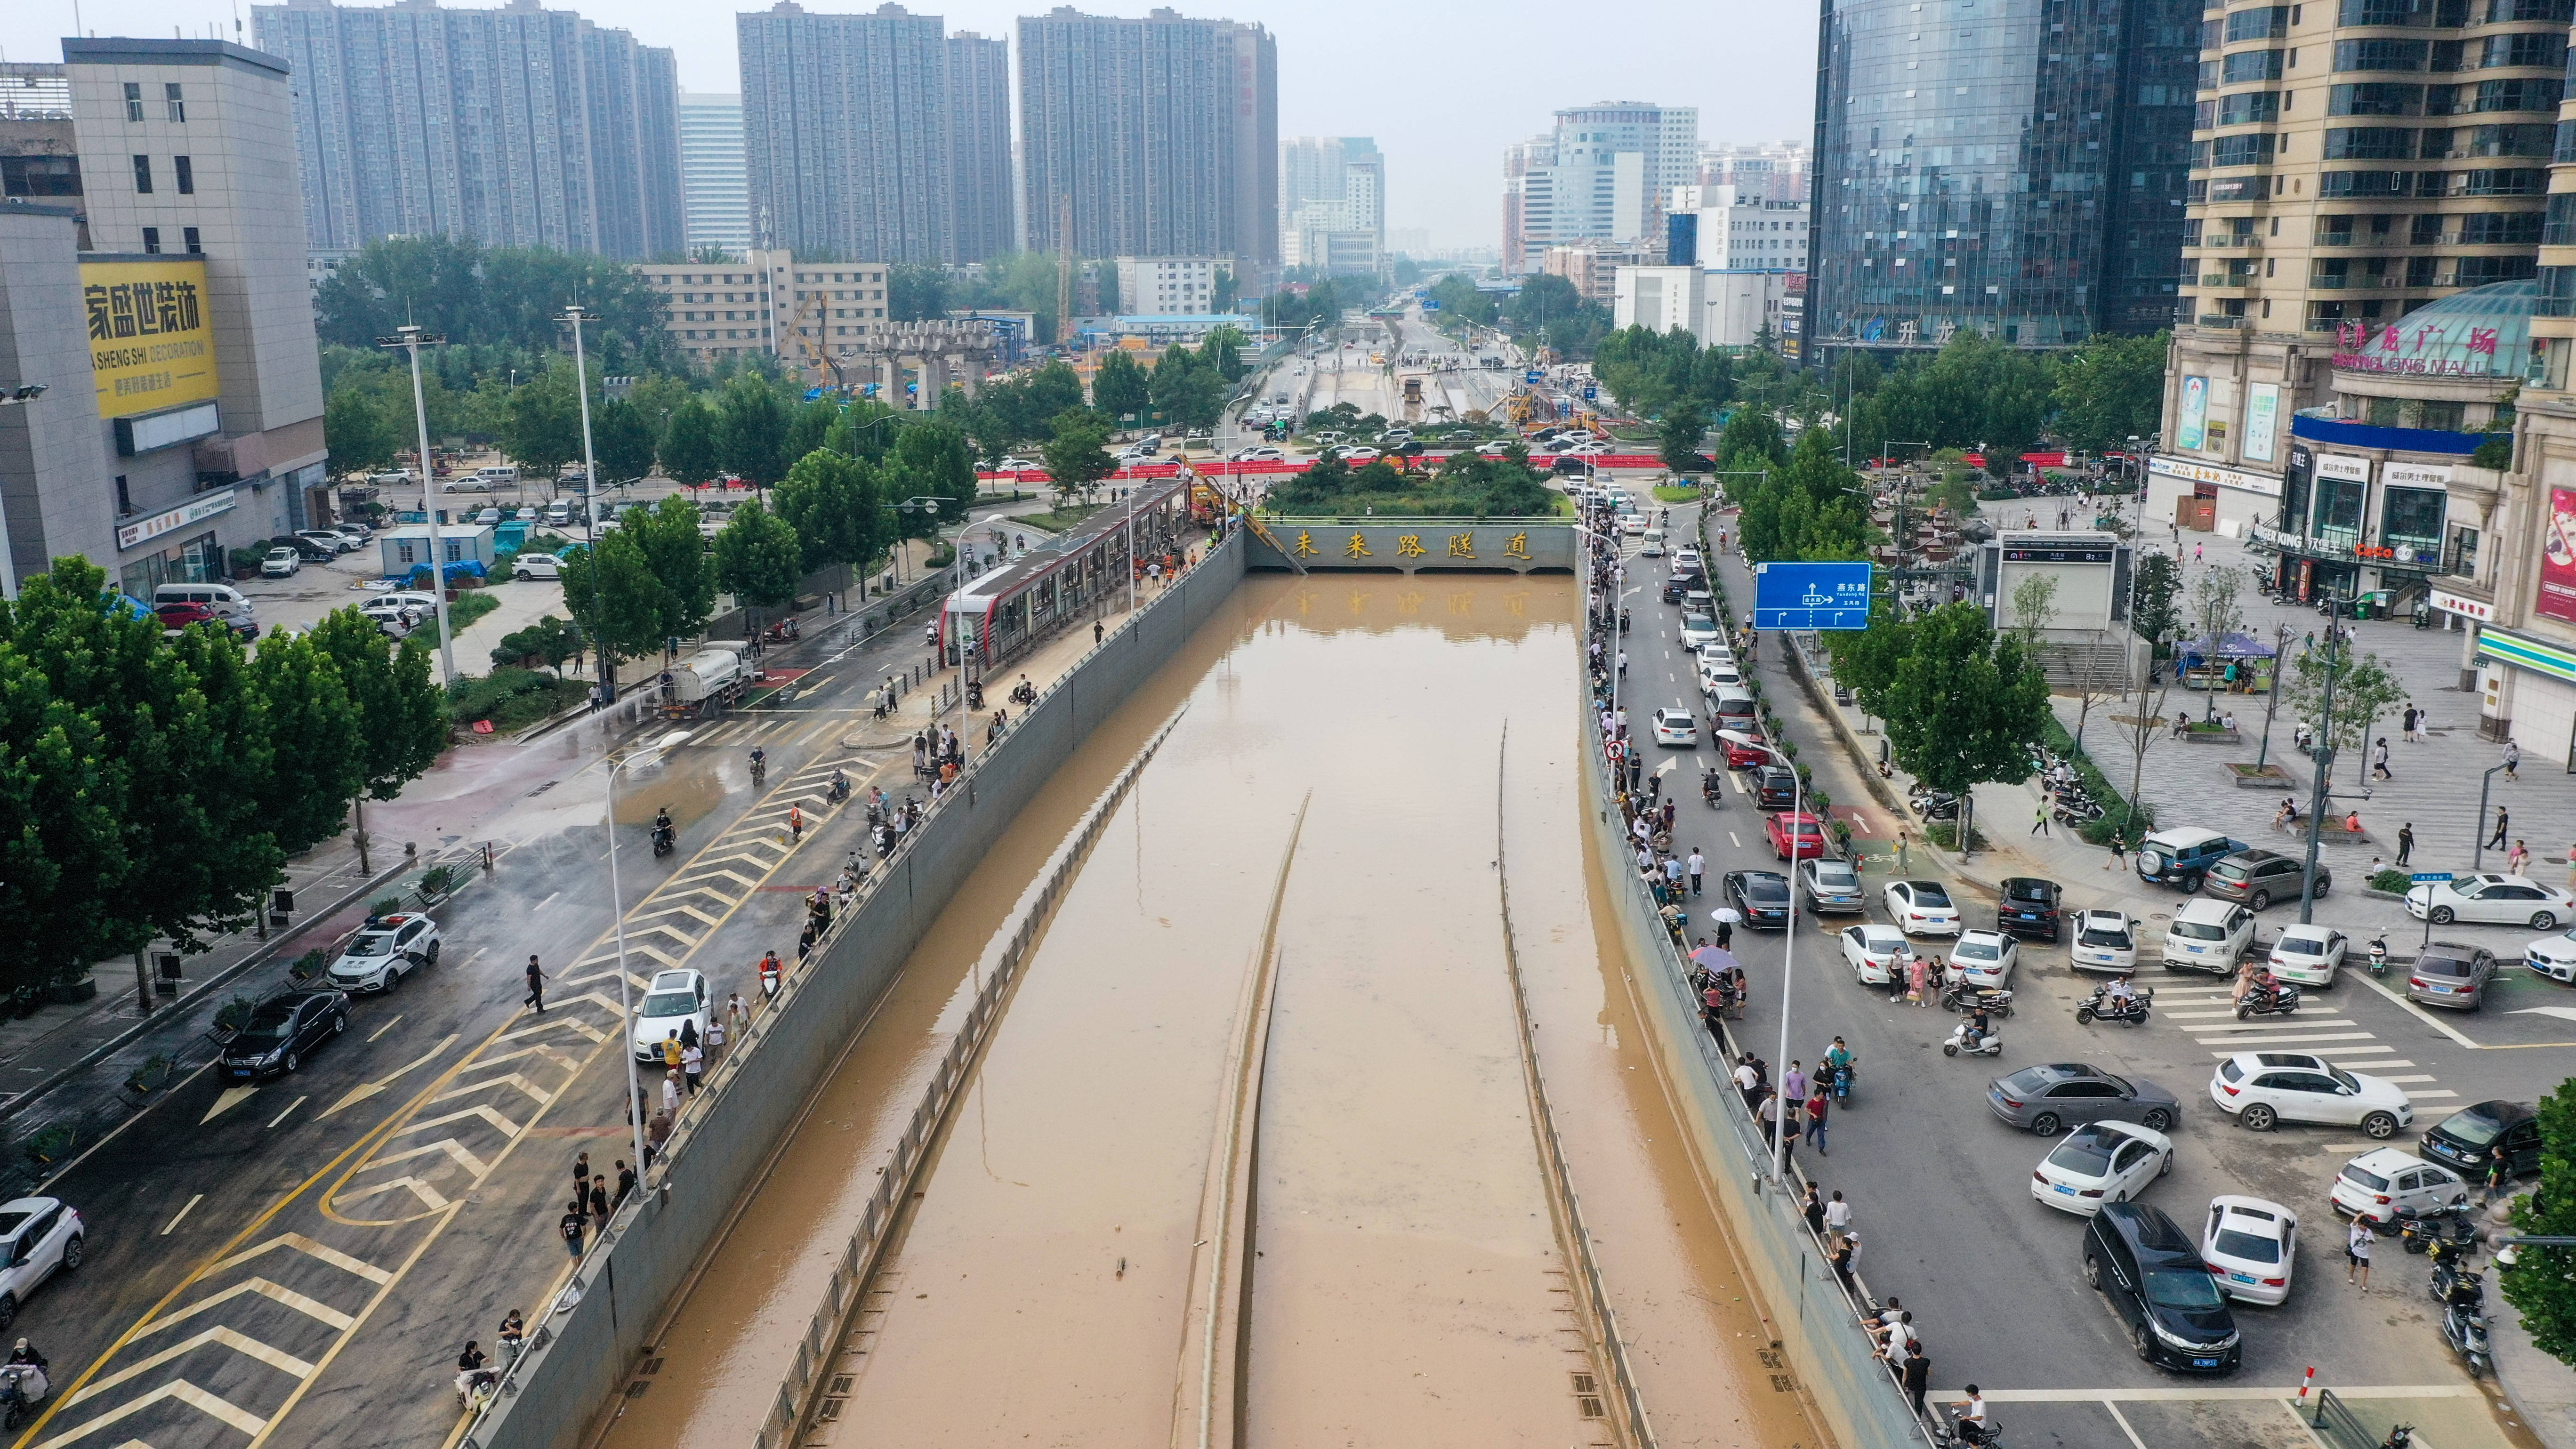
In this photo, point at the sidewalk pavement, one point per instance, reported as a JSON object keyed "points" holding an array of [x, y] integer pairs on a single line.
{"points": [[68, 1066]]}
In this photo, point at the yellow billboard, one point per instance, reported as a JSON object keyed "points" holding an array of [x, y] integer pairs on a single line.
{"points": [[151, 337]]}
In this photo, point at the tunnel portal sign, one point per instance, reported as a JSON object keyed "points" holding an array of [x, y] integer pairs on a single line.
{"points": [[1811, 596]]}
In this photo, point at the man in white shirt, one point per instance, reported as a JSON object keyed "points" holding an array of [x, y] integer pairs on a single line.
{"points": [[1972, 1411], [1698, 869]]}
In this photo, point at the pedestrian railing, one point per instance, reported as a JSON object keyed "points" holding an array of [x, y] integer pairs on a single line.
{"points": [[2338, 1425], [796, 1400]]}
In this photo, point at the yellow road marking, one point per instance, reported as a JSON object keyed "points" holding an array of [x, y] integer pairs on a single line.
{"points": [[318, 1311], [278, 1359], [310, 1249], [181, 1390], [362, 1093]]}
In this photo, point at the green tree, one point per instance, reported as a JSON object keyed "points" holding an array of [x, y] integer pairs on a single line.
{"points": [[359, 432], [2110, 390], [1751, 438], [2216, 608], [2364, 689], [622, 436], [2542, 1281], [754, 432], [549, 641], [1866, 660], [916, 292], [1964, 706], [758, 559], [614, 596], [1684, 424], [541, 426], [313, 724], [809, 425], [1077, 455], [402, 714], [938, 460], [693, 447], [2155, 599], [1118, 386], [483, 297], [63, 842], [1223, 346], [833, 504], [1187, 389], [676, 554]]}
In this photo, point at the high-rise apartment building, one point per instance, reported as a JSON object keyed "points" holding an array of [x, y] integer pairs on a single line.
{"points": [[872, 135], [517, 126], [715, 183], [1332, 203], [1599, 177], [2017, 170], [1160, 135], [2352, 164], [1761, 171]]}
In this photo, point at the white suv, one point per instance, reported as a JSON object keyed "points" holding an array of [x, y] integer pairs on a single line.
{"points": [[2208, 935], [385, 950], [37, 1236], [2263, 1089], [674, 998], [2104, 941], [2382, 1185]]}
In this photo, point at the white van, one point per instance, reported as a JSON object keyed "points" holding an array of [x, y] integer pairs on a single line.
{"points": [[1652, 544], [222, 600], [504, 476]]}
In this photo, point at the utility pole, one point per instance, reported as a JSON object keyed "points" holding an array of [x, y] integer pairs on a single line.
{"points": [[2324, 751], [412, 339], [574, 315]]}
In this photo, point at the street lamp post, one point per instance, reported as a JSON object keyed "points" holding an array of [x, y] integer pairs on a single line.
{"points": [[1789, 937], [574, 315], [617, 906], [411, 339]]}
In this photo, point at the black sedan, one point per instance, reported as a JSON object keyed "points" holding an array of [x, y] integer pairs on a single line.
{"points": [[1774, 788], [1761, 897], [2048, 1099], [2029, 908], [282, 1031]]}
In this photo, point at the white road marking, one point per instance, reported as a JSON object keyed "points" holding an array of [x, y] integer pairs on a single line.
{"points": [[183, 1212], [539, 906], [2288, 1040], [2228, 1029], [388, 1026], [2428, 1096], [1738, 844], [2122, 1420], [2419, 1013], [290, 1110], [362, 1093], [225, 1101]]}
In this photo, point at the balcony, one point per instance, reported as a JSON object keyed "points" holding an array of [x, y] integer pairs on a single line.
{"points": [[2391, 240], [2222, 281], [2248, 242], [2221, 320]]}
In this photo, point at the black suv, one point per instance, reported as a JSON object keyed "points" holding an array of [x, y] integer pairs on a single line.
{"points": [[1677, 586], [283, 1030], [2467, 1139], [2260, 877], [2152, 1273], [1760, 896], [2029, 908], [1775, 788]]}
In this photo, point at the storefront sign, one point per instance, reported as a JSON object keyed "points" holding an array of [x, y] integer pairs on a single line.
{"points": [[2455, 346], [2510, 648], [2344, 466], [2466, 608], [2262, 421], [151, 334], [2415, 475], [2191, 426], [2236, 478], [195, 510], [2557, 598]]}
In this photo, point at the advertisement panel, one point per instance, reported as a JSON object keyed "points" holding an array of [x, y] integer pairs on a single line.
{"points": [[151, 334], [2191, 428], [2557, 598], [2262, 421]]}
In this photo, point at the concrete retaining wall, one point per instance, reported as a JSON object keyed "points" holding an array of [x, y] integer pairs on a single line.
{"points": [[589, 1339], [1420, 544]]}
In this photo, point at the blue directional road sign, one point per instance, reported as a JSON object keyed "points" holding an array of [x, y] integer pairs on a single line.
{"points": [[1534, 378], [1430, 306], [1811, 596], [2429, 877], [1589, 392]]}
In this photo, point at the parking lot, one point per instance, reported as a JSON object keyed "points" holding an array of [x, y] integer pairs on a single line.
{"points": [[1941, 1187]]}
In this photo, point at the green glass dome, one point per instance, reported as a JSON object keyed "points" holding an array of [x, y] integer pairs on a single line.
{"points": [[2482, 332]]}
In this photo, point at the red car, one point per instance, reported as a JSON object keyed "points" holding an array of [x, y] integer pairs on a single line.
{"points": [[1795, 836], [1740, 756], [175, 617]]}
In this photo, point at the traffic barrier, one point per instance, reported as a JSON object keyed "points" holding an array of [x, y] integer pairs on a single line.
{"points": [[624, 1289]]}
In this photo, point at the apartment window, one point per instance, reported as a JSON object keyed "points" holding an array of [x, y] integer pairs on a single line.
{"points": [[2378, 55], [186, 172], [2556, 12], [124, 499], [2256, 65], [2426, 231], [2524, 140], [2266, 22], [35, 176], [2501, 228], [2386, 12], [188, 238], [2248, 108], [2479, 271], [2370, 143], [2499, 183], [2375, 98], [143, 176], [177, 103], [152, 241], [134, 100], [2247, 150]]}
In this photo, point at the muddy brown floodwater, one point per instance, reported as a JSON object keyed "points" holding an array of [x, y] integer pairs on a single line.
{"points": [[1409, 1287]]}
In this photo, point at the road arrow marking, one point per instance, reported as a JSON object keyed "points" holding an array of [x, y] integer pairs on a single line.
{"points": [[181, 1390], [225, 1101], [2563, 1013], [285, 1363], [360, 1094], [320, 1312]]}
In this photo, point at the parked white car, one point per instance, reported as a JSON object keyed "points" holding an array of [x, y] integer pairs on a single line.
{"points": [[674, 998], [2104, 941], [1874, 951], [1922, 908], [2208, 935], [384, 951], [2495, 900], [1987, 957], [2251, 1247], [2382, 1185], [2101, 1162], [537, 566], [2264, 1089], [39, 1236], [2308, 955], [2553, 956]]}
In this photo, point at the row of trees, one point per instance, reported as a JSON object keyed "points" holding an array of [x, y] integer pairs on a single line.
{"points": [[1187, 386], [154, 789], [1547, 311]]}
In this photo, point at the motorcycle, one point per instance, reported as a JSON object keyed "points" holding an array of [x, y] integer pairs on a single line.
{"points": [[1713, 790], [838, 791], [2281, 1000], [2379, 956], [475, 1387], [2464, 1328], [663, 840], [2075, 812], [2446, 1234], [1936, 805], [2400, 1436], [23, 1387], [1962, 997], [2451, 1275], [1967, 1433], [1989, 1045], [1839, 1080], [2098, 1007]]}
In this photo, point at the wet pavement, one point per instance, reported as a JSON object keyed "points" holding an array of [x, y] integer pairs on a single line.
{"points": [[1409, 1284]]}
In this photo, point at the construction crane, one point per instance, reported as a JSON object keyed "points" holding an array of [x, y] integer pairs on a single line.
{"points": [[812, 310]]}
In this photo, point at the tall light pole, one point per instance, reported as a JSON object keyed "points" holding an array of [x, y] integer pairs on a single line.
{"points": [[573, 316], [617, 905], [412, 339], [1789, 937]]}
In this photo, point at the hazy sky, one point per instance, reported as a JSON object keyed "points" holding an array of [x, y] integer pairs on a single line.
{"points": [[1442, 87]]}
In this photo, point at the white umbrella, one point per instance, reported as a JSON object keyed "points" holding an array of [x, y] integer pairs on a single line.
{"points": [[1725, 914]]}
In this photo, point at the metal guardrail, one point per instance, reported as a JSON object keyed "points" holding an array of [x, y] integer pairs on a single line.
{"points": [[2338, 1425], [797, 1404]]}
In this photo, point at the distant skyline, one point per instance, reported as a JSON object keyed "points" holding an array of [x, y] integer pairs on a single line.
{"points": [[1443, 89]]}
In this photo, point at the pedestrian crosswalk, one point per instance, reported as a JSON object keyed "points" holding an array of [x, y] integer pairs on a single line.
{"points": [[775, 729], [2210, 1019]]}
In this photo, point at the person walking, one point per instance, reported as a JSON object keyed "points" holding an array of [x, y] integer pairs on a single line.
{"points": [[2405, 842], [2039, 821], [2413, 721], [1837, 1218], [2379, 760], [671, 1092], [2496, 842], [1917, 970], [625, 1180], [580, 1173], [1917, 1378], [715, 1036], [1793, 1084], [573, 1224], [598, 1199], [1698, 870], [1748, 1082], [1814, 1211], [2516, 858], [1816, 1106], [2512, 759], [2119, 851], [693, 1066], [536, 996], [2356, 1253], [1847, 1261]]}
